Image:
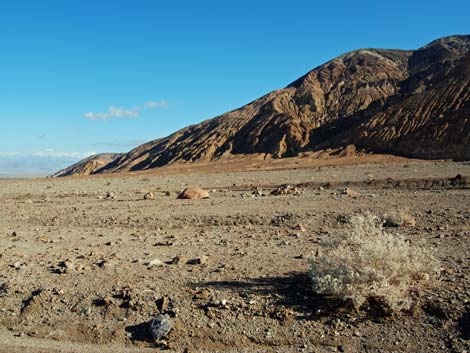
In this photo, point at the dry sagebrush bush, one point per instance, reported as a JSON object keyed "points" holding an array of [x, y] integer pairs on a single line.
{"points": [[366, 263]]}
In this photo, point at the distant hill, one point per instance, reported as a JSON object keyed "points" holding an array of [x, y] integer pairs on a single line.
{"points": [[413, 103], [88, 165]]}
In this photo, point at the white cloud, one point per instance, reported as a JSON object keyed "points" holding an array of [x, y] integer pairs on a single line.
{"points": [[113, 112], [49, 153], [58, 154], [39, 163], [116, 112], [153, 104], [9, 154]]}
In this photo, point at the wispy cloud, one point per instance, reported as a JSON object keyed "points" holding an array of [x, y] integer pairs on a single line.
{"points": [[48, 153], [59, 154], [43, 162], [113, 112], [153, 104], [9, 154], [116, 112]]}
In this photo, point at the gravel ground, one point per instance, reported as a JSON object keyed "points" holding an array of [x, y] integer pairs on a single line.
{"points": [[87, 262]]}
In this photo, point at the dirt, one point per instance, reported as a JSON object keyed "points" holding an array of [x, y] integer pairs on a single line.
{"points": [[88, 262]]}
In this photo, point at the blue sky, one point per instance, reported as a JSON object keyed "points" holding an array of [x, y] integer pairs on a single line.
{"points": [[95, 76]]}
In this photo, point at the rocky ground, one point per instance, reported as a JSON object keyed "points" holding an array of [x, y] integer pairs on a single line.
{"points": [[88, 262]]}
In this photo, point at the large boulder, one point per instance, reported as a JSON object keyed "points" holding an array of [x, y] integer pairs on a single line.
{"points": [[193, 193]]}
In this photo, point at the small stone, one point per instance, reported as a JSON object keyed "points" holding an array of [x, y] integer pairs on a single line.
{"points": [[105, 264], [350, 192], [286, 189], [160, 327], [107, 301], [198, 261], [203, 294], [175, 261], [149, 196], [154, 263], [449, 271], [163, 303]]}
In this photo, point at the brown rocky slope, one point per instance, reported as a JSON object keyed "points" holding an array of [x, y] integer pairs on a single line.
{"points": [[412, 103], [88, 165]]}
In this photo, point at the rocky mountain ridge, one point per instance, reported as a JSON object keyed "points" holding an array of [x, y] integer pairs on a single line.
{"points": [[413, 103]]}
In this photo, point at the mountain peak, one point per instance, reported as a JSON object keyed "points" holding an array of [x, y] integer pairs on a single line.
{"points": [[459, 42]]}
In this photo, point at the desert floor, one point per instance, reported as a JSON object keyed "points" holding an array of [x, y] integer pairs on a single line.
{"points": [[76, 255]]}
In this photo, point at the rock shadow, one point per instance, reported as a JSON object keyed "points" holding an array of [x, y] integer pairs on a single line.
{"points": [[293, 291], [139, 332], [464, 324]]}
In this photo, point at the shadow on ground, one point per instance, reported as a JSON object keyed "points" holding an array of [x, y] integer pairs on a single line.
{"points": [[293, 291], [139, 332], [464, 324]]}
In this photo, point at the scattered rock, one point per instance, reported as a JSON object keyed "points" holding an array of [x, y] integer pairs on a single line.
{"points": [[109, 196], [198, 261], [286, 189], [163, 243], [105, 264], [104, 301], [18, 264], [154, 263], [202, 294], [149, 196], [257, 192], [175, 261], [163, 303], [160, 326], [350, 192], [193, 193], [63, 267], [4, 289], [300, 228]]}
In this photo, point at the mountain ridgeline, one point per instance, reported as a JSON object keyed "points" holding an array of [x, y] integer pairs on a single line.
{"points": [[412, 103]]}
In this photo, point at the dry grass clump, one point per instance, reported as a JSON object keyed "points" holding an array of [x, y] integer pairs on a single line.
{"points": [[364, 263], [401, 218]]}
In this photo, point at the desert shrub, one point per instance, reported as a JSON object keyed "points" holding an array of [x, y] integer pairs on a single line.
{"points": [[365, 263], [401, 218]]}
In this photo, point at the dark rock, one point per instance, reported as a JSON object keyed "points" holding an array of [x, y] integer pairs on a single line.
{"points": [[160, 327]]}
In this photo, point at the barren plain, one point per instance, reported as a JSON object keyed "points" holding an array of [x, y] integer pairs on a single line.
{"points": [[87, 262]]}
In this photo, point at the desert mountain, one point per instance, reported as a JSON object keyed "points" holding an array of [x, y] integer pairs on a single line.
{"points": [[88, 165], [413, 103]]}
